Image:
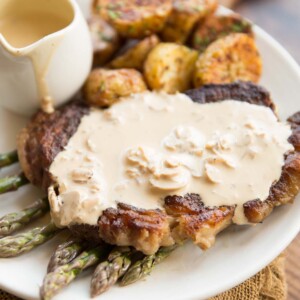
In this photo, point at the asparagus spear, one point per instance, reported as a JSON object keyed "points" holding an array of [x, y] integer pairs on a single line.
{"points": [[7, 159], [108, 272], [65, 253], [12, 246], [15, 221], [65, 274], [12, 183], [144, 267]]}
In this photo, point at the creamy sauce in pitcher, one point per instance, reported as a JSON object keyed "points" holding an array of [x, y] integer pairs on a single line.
{"points": [[22, 23], [21, 30], [151, 145]]}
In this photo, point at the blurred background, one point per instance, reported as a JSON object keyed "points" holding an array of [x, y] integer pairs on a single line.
{"points": [[280, 18]]}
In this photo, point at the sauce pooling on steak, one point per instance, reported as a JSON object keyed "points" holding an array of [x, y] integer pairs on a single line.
{"points": [[152, 145]]}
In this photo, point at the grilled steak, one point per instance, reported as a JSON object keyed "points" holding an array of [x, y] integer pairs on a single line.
{"points": [[44, 137], [294, 120], [195, 221], [146, 230], [184, 217], [240, 91]]}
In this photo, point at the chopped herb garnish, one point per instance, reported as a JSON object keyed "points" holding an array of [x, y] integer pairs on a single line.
{"points": [[206, 40], [199, 8], [104, 37], [131, 29], [115, 6], [224, 33], [113, 14], [212, 31], [198, 40], [180, 6], [102, 86], [112, 6], [202, 41], [237, 27]]}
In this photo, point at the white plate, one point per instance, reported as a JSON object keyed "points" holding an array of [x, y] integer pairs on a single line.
{"points": [[189, 273]]}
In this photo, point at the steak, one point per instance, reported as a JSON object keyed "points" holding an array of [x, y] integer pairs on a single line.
{"points": [[184, 217], [240, 91], [44, 137]]}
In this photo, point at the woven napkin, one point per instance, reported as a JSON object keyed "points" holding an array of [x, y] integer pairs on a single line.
{"points": [[269, 284]]}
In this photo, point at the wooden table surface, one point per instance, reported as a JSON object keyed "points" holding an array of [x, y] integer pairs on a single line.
{"points": [[280, 18]]}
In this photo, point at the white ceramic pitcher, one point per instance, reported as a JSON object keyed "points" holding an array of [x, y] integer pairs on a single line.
{"points": [[51, 69]]}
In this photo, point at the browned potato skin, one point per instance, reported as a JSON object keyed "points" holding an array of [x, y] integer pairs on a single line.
{"points": [[105, 40], [135, 57], [184, 16], [234, 57], [104, 87], [169, 67], [134, 18], [215, 27]]}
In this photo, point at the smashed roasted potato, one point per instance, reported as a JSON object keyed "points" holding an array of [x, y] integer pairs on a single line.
{"points": [[105, 40], [169, 67], [183, 18], [234, 57], [104, 87], [215, 27], [135, 57], [134, 18]]}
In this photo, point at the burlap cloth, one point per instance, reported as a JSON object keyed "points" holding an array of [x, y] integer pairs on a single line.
{"points": [[269, 284]]}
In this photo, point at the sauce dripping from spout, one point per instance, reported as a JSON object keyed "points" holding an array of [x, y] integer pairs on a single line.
{"points": [[41, 60]]}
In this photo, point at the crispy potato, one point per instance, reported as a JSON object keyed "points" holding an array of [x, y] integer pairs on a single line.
{"points": [[234, 57], [104, 87], [184, 16], [215, 27], [135, 57], [169, 67], [134, 18], [105, 40]]}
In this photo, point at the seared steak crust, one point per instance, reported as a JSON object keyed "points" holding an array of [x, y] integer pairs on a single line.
{"points": [[146, 230], [294, 139], [44, 137], [184, 217], [192, 220], [86, 232], [240, 91]]}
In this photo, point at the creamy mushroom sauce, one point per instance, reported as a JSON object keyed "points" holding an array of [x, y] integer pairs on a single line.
{"points": [[152, 145]]}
